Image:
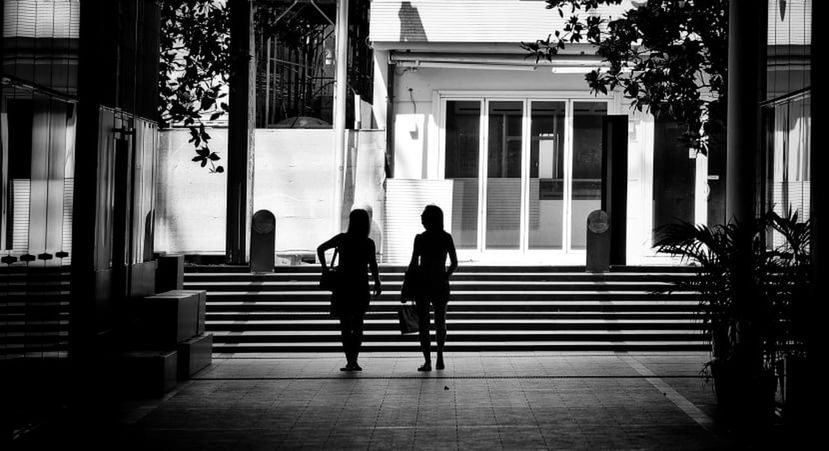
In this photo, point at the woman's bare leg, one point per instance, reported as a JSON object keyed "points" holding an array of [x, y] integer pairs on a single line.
{"points": [[423, 332], [440, 331]]}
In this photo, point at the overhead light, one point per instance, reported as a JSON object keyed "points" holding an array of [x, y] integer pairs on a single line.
{"points": [[569, 70], [453, 65]]}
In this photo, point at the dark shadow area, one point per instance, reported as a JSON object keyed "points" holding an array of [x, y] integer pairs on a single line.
{"points": [[411, 27]]}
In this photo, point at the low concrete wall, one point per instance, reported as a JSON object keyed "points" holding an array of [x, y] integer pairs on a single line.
{"points": [[365, 179], [190, 201], [294, 178]]}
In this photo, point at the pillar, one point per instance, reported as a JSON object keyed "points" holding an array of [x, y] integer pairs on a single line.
{"points": [[340, 92], [240, 133], [745, 43]]}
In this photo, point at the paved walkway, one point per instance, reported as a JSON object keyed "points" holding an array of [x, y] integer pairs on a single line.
{"points": [[480, 401]]}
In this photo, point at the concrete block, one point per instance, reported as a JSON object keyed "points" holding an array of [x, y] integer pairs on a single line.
{"points": [[149, 373], [194, 355], [201, 307], [169, 274], [167, 319]]}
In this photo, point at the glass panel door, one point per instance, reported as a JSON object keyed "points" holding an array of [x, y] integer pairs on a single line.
{"points": [[463, 126], [546, 176], [503, 182], [587, 167], [526, 173]]}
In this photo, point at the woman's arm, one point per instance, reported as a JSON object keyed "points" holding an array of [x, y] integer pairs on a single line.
{"points": [[415, 253], [333, 242], [453, 256], [372, 263]]}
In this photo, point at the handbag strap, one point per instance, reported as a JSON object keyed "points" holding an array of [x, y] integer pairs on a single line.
{"points": [[336, 250]]}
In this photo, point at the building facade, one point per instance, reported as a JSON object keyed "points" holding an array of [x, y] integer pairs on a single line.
{"points": [[511, 150], [786, 111]]}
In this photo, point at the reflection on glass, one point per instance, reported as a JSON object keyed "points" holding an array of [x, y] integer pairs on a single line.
{"points": [[503, 205], [546, 203], [788, 47], [463, 124], [674, 176], [40, 43], [587, 167], [790, 161]]}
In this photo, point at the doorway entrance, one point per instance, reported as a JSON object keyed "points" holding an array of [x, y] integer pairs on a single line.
{"points": [[525, 174]]}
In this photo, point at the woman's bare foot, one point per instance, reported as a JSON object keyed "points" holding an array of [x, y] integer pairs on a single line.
{"points": [[439, 364], [426, 367]]}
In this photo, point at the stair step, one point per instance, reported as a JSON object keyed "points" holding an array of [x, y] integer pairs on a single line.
{"points": [[469, 346], [456, 277], [460, 325], [456, 306], [457, 295], [492, 308], [457, 336], [476, 286], [481, 315], [464, 267]]}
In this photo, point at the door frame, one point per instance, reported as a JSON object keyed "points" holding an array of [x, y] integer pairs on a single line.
{"points": [[565, 255]]}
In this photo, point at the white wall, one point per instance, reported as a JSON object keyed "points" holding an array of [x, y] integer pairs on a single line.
{"points": [[365, 179], [293, 178], [640, 185], [415, 122], [190, 201], [416, 131]]}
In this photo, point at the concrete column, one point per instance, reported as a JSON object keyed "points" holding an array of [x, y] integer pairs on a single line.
{"points": [[340, 93], [240, 132], [745, 42], [381, 93], [816, 337], [701, 190]]}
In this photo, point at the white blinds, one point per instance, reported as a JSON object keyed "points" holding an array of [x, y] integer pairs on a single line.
{"points": [[41, 18]]}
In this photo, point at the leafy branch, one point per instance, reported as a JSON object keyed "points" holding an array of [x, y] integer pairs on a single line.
{"points": [[193, 69], [668, 56], [199, 136]]}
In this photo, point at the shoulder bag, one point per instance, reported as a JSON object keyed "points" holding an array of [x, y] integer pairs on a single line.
{"points": [[329, 280]]}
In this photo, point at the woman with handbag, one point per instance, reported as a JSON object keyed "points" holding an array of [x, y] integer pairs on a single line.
{"points": [[428, 267], [350, 296]]}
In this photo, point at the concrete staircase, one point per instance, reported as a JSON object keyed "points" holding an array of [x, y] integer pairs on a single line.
{"points": [[491, 309]]}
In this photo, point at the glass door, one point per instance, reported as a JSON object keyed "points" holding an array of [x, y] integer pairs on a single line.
{"points": [[586, 187], [545, 197], [526, 173], [462, 154], [503, 215]]}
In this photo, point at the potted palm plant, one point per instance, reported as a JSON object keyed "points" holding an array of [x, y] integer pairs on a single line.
{"points": [[789, 292], [747, 297]]}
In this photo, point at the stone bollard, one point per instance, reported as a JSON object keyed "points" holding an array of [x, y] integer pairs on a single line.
{"points": [[598, 242], [262, 241]]}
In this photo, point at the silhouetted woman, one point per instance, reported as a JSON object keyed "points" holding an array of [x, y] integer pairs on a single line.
{"points": [[429, 263], [350, 300]]}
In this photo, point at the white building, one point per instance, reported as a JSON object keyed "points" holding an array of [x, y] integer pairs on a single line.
{"points": [[511, 150], [463, 118]]}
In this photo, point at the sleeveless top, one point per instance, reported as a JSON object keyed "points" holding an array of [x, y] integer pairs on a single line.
{"points": [[353, 260], [432, 248]]}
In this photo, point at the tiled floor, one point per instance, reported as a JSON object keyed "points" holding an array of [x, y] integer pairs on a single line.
{"points": [[480, 401]]}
